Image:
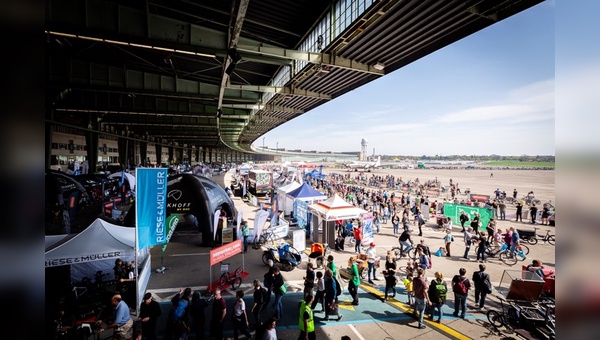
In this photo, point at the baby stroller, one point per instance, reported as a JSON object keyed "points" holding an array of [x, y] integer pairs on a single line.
{"points": [[317, 252]]}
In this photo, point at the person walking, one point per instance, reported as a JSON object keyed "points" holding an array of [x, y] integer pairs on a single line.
{"points": [[277, 284], [260, 301], [177, 320], [460, 287], [149, 313], [358, 238], [306, 321], [268, 281], [463, 219], [320, 295], [515, 241], [421, 222], [245, 235], [437, 294], [448, 239], [502, 208], [372, 257], [395, 222], [270, 333], [218, 313], [332, 290], [239, 318], [197, 313], [354, 281], [309, 279], [519, 212], [475, 222], [389, 275], [421, 295], [423, 260], [533, 213], [468, 238], [482, 246], [479, 281]]}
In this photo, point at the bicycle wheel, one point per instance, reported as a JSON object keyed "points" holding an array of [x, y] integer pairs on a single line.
{"points": [[551, 239], [397, 253], [265, 258], [495, 318], [236, 283], [532, 240], [413, 253], [223, 279], [507, 259], [525, 249], [238, 272]]}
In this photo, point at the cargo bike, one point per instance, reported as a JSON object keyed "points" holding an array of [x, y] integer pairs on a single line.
{"points": [[524, 307]]}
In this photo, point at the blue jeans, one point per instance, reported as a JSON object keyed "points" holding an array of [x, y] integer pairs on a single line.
{"points": [[481, 252], [371, 269], [278, 306], [395, 228], [357, 246], [406, 246], [460, 303], [419, 308], [513, 248], [467, 251], [439, 306]]}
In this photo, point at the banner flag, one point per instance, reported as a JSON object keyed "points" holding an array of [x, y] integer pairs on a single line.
{"points": [[239, 223], [151, 206], [453, 211], [368, 232], [172, 222], [216, 223]]}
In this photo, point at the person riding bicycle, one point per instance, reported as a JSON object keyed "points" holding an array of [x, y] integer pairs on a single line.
{"points": [[406, 242]]}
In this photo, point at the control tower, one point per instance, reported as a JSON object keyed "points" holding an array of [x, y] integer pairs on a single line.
{"points": [[363, 149]]}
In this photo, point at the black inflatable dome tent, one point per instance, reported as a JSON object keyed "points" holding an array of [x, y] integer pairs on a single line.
{"points": [[195, 195]]}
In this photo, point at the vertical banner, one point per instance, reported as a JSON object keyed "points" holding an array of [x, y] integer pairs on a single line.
{"points": [[172, 222], [368, 233], [216, 223], [151, 206], [239, 224]]}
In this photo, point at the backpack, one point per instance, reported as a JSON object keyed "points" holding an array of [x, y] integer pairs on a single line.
{"points": [[487, 284], [441, 289], [179, 309], [264, 295], [460, 287]]}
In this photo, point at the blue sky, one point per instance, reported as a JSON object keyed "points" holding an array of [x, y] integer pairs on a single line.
{"points": [[490, 93]]}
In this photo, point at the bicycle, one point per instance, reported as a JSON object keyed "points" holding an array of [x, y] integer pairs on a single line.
{"points": [[412, 253], [550, 238], [267, 237], [504, 253], [235, 278]]}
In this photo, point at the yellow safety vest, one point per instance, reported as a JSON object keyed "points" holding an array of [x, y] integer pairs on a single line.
{"points": [[311, 321]]}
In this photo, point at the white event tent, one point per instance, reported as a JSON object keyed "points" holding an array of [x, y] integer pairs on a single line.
{"points": [[96, 248], [325, 213]]}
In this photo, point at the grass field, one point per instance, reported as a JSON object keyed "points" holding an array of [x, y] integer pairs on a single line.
{"points": [[521, 164]]}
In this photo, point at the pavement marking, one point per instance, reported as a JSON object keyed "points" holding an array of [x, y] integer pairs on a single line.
{"points": [[347, 304], [441, 327], [356, 332]]}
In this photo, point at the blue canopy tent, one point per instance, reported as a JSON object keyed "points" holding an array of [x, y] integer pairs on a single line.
{"points": [[315, 174], [305, 193]]}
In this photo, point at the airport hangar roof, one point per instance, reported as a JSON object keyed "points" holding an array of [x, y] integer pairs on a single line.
{"points": [[222, 73]]}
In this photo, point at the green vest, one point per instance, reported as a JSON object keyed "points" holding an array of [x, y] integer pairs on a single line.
{"points": [[311, 321], [354, 275]]}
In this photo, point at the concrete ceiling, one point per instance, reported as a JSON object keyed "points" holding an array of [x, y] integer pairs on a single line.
{"points": [[222, 73]]}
